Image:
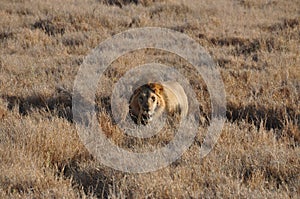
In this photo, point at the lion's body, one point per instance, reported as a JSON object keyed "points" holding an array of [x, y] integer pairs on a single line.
{"points": [[151, 100]]}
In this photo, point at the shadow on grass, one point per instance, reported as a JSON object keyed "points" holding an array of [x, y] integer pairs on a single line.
{"points": [[261, 116], [60, 104], [90, 180]]}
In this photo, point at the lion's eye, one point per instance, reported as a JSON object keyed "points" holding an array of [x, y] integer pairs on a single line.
{"points": [[153, 98]]}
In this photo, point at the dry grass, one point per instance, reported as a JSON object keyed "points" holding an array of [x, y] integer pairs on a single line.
{"points": [[256, 46]]}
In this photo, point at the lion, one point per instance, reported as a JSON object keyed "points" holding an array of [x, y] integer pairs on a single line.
{"points": [[151, 100]]}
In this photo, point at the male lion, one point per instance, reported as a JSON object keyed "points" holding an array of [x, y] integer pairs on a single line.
{"points": [[149, 101]]}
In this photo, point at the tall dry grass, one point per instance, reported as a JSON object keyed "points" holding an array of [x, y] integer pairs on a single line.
{"points": [[256, 46]]}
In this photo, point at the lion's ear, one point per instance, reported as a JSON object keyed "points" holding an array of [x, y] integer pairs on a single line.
{"points": [[156, 87]]}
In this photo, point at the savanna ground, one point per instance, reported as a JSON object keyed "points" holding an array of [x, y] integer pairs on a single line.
{"points": [[255, 44]]}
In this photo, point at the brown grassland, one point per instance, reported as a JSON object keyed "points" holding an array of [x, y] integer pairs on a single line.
{"points": [[256, 46]]}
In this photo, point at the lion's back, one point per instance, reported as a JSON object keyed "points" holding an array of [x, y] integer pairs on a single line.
{"points": [[175, 97]]}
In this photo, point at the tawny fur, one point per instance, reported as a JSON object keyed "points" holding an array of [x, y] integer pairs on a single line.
{"points": [[167, 96]]}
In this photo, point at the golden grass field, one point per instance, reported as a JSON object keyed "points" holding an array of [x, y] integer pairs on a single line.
{"points": [[255, 44]]}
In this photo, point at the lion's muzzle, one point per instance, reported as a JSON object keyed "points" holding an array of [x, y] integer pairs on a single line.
{"points": [[146, 118]]}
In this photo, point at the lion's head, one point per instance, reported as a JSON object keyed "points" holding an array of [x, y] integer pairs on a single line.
{"points": [[146, 102]]}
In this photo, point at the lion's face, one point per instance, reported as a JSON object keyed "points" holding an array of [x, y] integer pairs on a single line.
{"points": [[148, 103]]}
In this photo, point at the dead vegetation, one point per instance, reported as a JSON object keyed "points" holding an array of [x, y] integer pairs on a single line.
{"points": [[121, 3], [255, 45]]}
